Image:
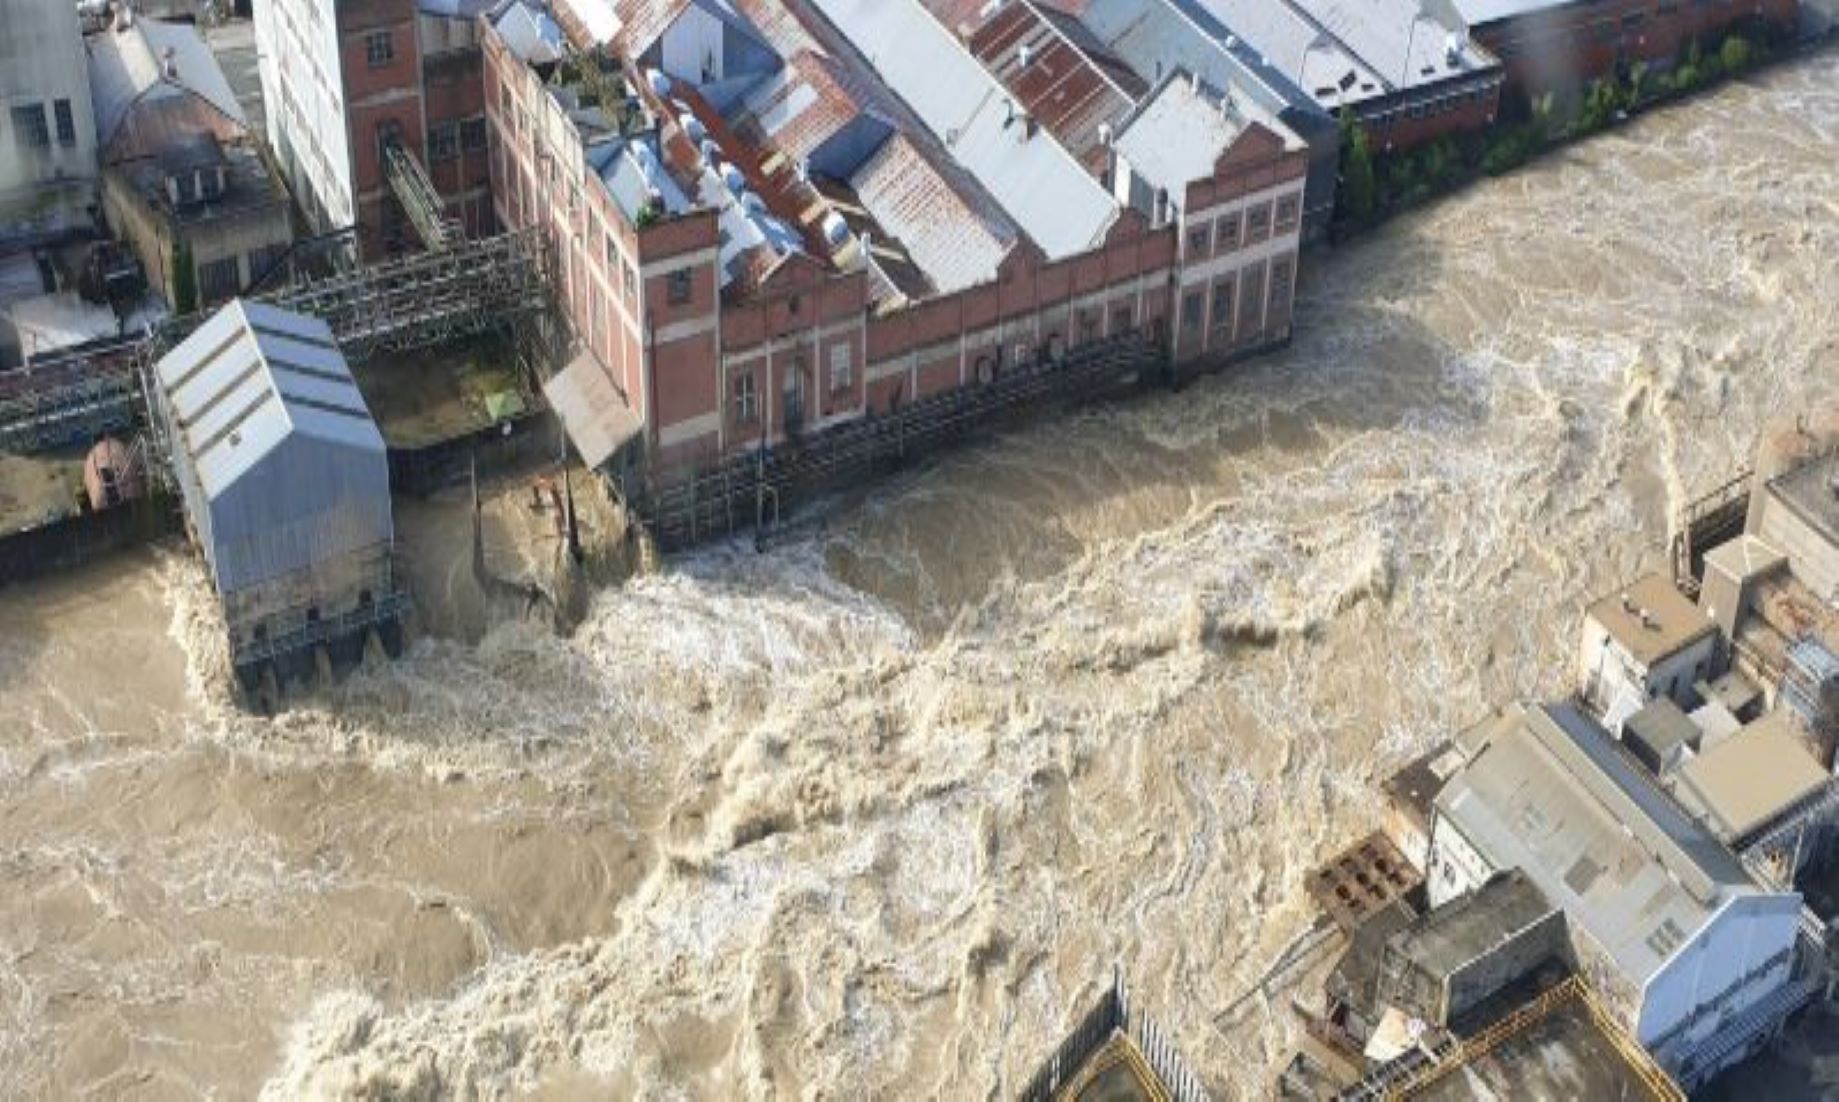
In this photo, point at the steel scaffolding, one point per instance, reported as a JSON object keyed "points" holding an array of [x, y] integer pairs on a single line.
{"points": [[420, 201]]}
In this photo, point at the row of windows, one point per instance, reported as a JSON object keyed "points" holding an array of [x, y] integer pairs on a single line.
{"points": [[1222, 235], [1250, 291], [746, 399], [1425, 109], [33, 132], [1607, 30]]}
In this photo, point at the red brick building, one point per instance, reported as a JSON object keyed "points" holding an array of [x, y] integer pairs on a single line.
{"points": [[343, 80], [1549, 45], [725, 294]]}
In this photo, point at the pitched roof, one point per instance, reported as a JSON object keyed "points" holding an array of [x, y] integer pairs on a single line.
{"points": [[1041, 186], [128, 66], [1062, 75], [250, 378], [1546, 790]]}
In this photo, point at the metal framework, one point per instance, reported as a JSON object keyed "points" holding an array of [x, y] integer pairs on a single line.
{"points": [[1708, 521], [420, 201], [70, 399], [429, 298]]}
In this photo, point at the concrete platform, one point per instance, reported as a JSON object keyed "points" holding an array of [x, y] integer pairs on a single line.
{"points": [[39, 489], [433, 395], [1560, 1057]]}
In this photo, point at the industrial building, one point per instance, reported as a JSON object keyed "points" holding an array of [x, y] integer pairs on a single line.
{"points": [[775, 216], [284, 481], [47, 128], [183, 181], [1553, 45], [1692, 955], [1643, 642], [345, 84]]}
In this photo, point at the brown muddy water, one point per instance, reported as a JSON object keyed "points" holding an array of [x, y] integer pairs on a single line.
{"points": [[875, 814]]}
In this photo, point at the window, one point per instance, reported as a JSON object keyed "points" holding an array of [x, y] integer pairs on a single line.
{"points": [[1120, 319], [1280, 286], [1088, 326], [185, 188], [1251, 301], [1287, 208], [389, 133], [66, 124], [842, 366], [1222, 305], [677, 287], [219, 279], [443, 142], [379, 49], [1191, 305], [1257, 224], [1199, 241], [29, 122], [1228, 232], [612, 254], [472, 134], [632, 285], [746, 402], [1021, 352]]}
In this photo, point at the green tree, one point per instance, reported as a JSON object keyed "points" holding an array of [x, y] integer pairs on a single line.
{"points": [[1357, 184], [184, 281], [1735, 54]]}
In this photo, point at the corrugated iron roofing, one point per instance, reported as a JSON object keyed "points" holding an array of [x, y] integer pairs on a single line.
{"points": [[279, 461], [943, 235], [1053, 75], [127, 66], [1041, 186]]}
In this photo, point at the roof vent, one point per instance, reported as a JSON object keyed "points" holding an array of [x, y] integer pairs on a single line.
{"points": [[1628, 603], [692, 126], [1024, 54], [1647, 620], [1452, 50], [169, 63], [836, 230], [1104, 133], [1008, 112], [733, 177], [660, 84], [1194, 82]]}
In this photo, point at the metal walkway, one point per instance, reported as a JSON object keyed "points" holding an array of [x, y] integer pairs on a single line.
{"points": [[414, 302], [752, 492], [420, 201]]}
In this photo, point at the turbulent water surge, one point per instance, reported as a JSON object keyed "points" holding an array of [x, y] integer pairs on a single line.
{"points": [[874, 815]]}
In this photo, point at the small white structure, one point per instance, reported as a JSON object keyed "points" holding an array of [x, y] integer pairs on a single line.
{"points": [[284, 475], [1645, 642], [1689, 951]]}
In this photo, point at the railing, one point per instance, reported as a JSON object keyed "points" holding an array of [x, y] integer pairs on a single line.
{"points": [[727, 497], [316, 633], [1113, 1018], [71, 398], [1707, 521]]}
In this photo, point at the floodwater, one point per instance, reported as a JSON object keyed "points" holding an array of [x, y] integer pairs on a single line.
{"points": [[876, 814]]}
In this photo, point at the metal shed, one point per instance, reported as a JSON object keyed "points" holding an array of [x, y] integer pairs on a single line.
{"points": [[283, 473]]}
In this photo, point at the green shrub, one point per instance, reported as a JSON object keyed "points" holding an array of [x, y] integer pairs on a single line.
{"points": [[1735, 54]]}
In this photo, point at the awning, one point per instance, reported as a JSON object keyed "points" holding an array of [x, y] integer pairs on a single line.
{"points": [[592, 410]]}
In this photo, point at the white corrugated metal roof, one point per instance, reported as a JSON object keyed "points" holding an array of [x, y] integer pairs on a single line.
{"points": [[598, 420], [126, 66], [1041, 186], [1178, 133], [249, 378]]}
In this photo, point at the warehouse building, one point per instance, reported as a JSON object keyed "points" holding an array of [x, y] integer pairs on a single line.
{"points": [[284, 481], [47, 131], [1697, 961]]}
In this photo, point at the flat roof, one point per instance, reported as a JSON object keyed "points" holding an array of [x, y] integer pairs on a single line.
{"points": [[1563, 1053], [1662, 727], [1749, 779], [1811, 490], [1546, 790], [1651, 619], [1416, 784], [1465, 928]]}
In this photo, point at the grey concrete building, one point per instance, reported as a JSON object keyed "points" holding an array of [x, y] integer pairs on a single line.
{"points": [[47, 130]]}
